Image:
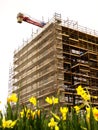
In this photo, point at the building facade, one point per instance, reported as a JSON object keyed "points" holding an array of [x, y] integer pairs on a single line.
{"points": [[10, 80], [61, 57]]}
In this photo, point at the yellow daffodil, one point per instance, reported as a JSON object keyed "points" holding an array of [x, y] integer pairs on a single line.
{"points": [[54, 100], [12, 98], [51, 100], [84, 94], [33, 114], [52, 124], [79, 89], [28, 113], [22, 114], [95, 113], [56, 127], [38, 113], [63, 111], [8, 123], [77, 109], [48, 100], [33, 101], [13, 123]]}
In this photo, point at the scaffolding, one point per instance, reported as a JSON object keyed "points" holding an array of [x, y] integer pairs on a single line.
{"points": [[61, 57]]}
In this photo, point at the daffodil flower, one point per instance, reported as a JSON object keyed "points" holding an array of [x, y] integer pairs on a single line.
{"points": [[79, 89], [8, 123], [63, 111], [48, 100], [95, 113], [22, 114], [52, 124], [28, 113], [38, 113], [33, 114], [51, 100], [77, 109], [33, 101], [12, 98], [85, 95]]}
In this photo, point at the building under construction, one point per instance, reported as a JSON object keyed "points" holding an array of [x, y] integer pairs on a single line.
{"points": [[62, 56]]}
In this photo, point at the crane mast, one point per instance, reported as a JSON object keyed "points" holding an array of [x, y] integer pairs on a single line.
{"points": [[21, 17]]}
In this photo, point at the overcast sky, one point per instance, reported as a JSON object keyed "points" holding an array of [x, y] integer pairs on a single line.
{"points": [[12, 33]]}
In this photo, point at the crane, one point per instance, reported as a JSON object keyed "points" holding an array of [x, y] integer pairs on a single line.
{"points": [[21, 17]]}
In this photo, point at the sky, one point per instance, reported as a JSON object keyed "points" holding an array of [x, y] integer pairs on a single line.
{"points": [[13, 34]]}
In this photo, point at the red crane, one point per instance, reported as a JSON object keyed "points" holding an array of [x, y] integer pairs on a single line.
{"points": [[21, 17]]}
